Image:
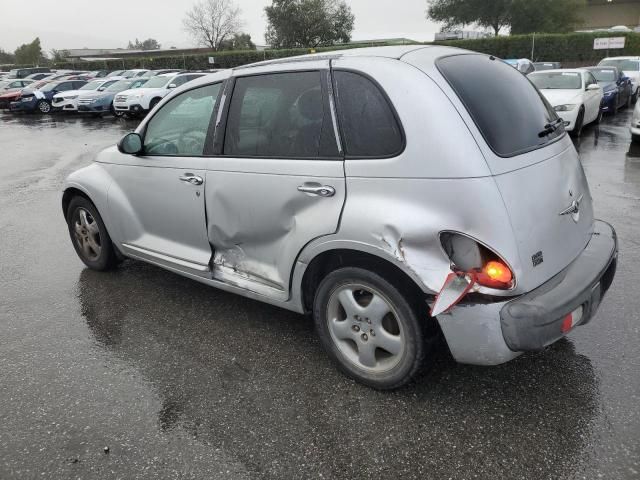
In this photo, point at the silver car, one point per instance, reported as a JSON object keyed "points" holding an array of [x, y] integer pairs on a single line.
{"points": [[394, 193]]}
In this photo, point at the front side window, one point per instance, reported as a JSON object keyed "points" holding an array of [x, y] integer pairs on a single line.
{"points": [[605, 75], [367, 122], [512, 116], [180, 127], [282, 115]]}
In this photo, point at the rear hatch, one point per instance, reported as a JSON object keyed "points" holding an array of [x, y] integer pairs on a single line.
{"points": [[535, 165]]}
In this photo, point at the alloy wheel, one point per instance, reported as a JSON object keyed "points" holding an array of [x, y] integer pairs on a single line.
{"points": [[87, 234], [44, 107], [365, 328]]}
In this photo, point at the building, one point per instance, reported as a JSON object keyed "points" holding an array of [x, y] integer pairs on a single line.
{"points": [[604, 14], [460, 35]]}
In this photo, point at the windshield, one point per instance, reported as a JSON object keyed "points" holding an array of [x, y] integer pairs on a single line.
{"points": [[628, 65], [157, 82], [604, 75], [49, 86], [92, 85], [557, 80], [128, 74], [140, 82], [119, 86]]}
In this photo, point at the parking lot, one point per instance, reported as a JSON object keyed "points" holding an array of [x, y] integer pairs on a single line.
{"points": [[142, 373]]}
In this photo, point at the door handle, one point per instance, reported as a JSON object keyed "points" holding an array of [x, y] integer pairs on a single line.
{"points": [[191, 178], [319, 190]]}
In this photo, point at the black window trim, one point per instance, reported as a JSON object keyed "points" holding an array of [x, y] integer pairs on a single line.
{"points": [[220, 133], [392, 107], [208, 147], [468, 112]]}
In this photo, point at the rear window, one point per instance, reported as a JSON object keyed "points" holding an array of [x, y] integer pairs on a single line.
{"points": [[511, 114]]}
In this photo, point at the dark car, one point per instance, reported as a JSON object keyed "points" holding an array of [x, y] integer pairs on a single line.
{"points": [[541, 66], [25, 72], [40, 100], [617, 88]]}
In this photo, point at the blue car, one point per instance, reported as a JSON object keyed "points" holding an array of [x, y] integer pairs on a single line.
{"points": [[102, 101], [40, 100], [617, 88]]}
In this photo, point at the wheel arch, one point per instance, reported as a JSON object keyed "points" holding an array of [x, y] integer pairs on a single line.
{"points": [[307, 276], [68, 195]]}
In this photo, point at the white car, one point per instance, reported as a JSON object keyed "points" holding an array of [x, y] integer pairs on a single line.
{"points": [[630, 66], [135, 73], [13, 84], [574, 94], [635, 124], [68, 101], [141, 100]]}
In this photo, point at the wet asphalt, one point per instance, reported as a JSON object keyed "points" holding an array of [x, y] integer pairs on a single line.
{"points": [[178, 380]]}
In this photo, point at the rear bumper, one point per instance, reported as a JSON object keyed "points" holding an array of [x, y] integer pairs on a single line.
{"points": [[494, 333], [534, 320]]}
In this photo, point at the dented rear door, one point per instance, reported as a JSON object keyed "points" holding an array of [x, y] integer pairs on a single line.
{"points": [[278, 182]]}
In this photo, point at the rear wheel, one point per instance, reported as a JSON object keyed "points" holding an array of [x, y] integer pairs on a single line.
{"points": [[369, 328], [629, 100], [89, 235], [43, 106]]}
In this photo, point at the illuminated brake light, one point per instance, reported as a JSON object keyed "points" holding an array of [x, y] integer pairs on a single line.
{"points": [[495, 274]]}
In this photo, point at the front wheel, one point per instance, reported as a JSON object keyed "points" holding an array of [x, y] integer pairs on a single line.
{"points": [[116, 113], [369, 328], [577, 128], [43, 106], [89, 235]]}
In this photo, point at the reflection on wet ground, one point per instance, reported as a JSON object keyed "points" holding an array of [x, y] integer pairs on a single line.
{"points": [[183, 381]]}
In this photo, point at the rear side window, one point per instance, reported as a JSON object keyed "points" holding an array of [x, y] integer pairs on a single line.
{"points": [[283, 115], [367, 122], [509, 111]]}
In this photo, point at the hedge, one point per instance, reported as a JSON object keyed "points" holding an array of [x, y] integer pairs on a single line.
{"points": [[572, 48]]}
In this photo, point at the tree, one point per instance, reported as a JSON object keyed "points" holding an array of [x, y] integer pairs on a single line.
{"points": [[59, 55], [308, 23], [523, 16], [240, 41], [6, 57], [29, 53], [148, 44], [211, 22], [546, 16], [494, 14]]}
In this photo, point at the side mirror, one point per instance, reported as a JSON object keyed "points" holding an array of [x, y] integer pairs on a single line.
{"points": [[172, 85], [131, 144], [593, 86], [101, 89]]}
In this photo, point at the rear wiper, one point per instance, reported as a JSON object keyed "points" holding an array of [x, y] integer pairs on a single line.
{"points": [[549, 128]]}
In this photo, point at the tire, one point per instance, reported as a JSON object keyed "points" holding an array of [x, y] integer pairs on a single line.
{"points": [[352, 330], [629, 101], [115, 112], [601, 114], [89, 235], [43, 106], [635, 97], [153, 103], [635, 139], [577, 129]]}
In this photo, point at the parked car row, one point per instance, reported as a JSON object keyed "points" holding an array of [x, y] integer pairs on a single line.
{"points": [[119, 92]]}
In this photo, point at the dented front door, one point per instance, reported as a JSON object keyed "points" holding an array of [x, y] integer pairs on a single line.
{"points": [[279, 182]]}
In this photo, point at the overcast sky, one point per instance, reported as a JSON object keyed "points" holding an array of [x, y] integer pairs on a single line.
{"points": [[111, 24]]}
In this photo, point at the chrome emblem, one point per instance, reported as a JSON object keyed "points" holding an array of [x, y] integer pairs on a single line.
{"points": [[574, 208]]}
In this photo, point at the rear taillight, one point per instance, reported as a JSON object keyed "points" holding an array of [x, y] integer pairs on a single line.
{"points": [[469, 256], [495, 274]]}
